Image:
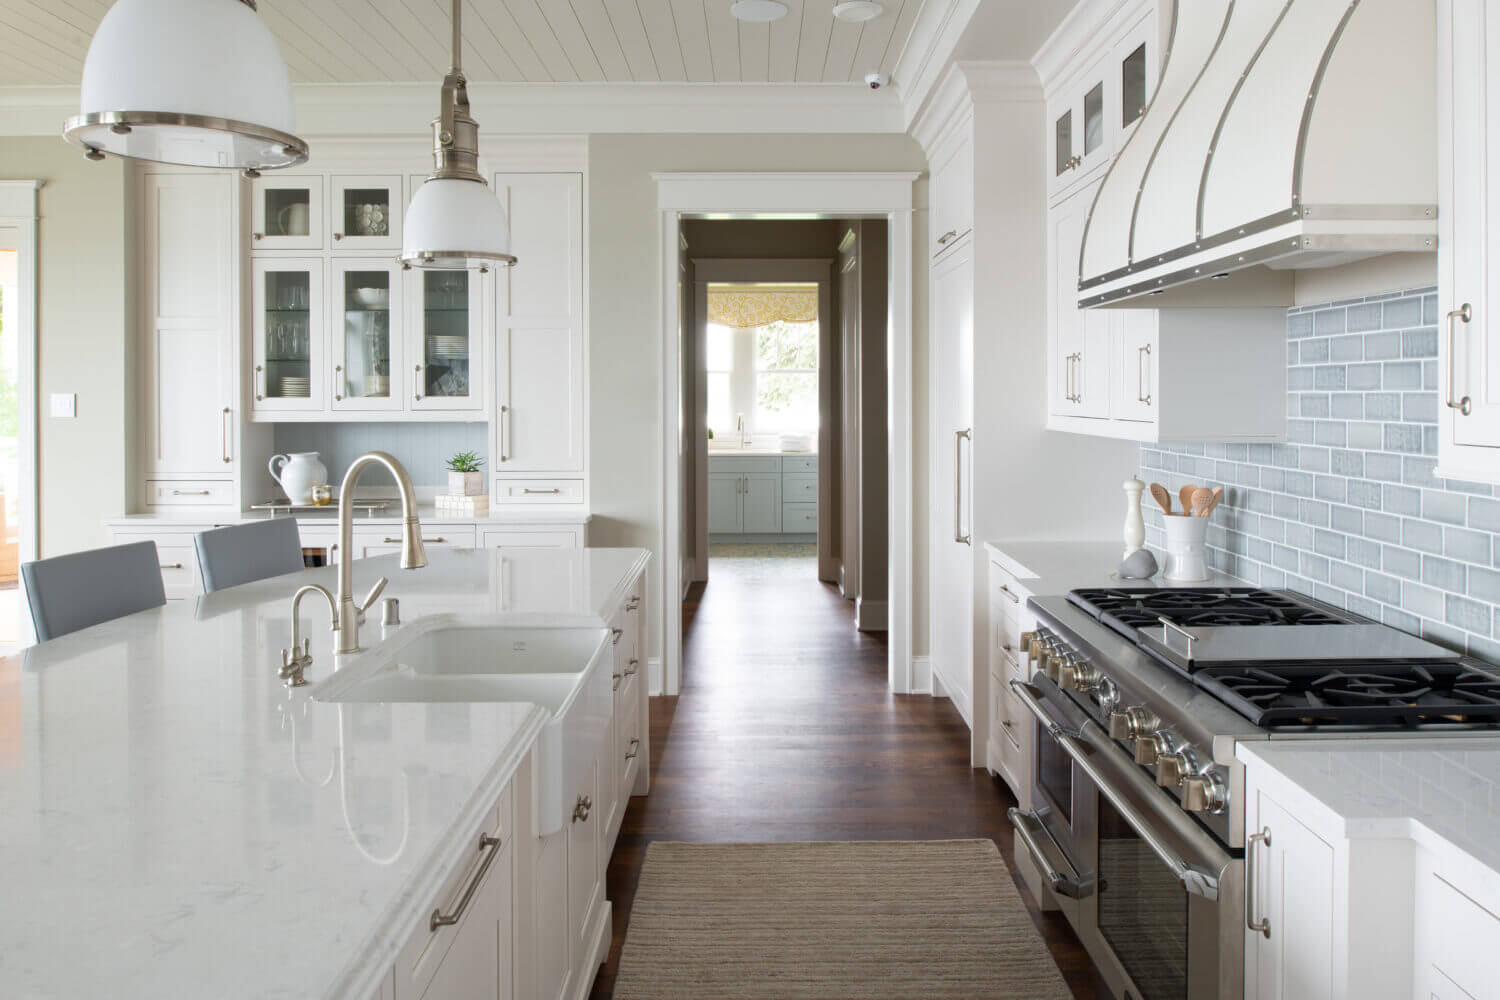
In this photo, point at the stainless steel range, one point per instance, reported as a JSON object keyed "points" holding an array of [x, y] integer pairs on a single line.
{"points": [[1140, 695]]}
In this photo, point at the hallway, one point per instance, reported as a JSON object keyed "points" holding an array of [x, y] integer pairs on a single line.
{"points": [[785, 731]]}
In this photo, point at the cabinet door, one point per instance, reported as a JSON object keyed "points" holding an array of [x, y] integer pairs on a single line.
{"points": [[365, 317], [479, 964], [1133, 393], [953, 193], [760, 510], [447, 324], [1081, 136], [365, 212], [1134, 64], [585, 875], [540, 372], [1293, 890], [190, 351], [286, 212], [724, 490], [550, 935], [1081, 338], [288, 327]]}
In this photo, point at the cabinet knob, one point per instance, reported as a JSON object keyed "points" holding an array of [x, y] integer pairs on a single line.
{"points": [[338, 236]]}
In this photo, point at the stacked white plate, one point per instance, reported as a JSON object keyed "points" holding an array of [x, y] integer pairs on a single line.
{"points": [[448, 347], [291, 386]]}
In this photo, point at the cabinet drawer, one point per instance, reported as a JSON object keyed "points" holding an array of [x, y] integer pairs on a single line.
{"points": [[1464, 936], [538, 491], [799, 463], [179, 569], [799, 518], [799, 489], [384, 542], [744, 463], [531, 538], [419, 959], [188, 493], [629, 739]]}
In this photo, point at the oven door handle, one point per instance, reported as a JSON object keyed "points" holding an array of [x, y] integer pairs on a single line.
{"points": [[1195, 880], [1062, 883]]}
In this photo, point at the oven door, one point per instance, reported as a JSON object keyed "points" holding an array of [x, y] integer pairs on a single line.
{"points": [[1056, 831], [1163, 921]]}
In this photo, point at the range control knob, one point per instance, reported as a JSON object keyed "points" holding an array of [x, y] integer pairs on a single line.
{"points": [[1034, 644], [1076, 675], [1132, 724], [1027, 638], [1150, 749], [1171, 769], [1057, 662], [1204, 793]]}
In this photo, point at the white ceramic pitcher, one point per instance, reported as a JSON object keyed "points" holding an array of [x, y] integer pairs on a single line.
{"points": [[299, 473]]}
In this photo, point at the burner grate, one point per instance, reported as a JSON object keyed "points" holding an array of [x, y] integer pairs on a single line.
{"points": [[1431, 695], [1127, 610]]}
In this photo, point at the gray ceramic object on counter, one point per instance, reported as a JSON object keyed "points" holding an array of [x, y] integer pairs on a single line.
{"points": [[1139, 565]]}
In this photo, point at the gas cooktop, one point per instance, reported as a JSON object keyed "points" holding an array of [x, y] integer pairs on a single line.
{"points": [[1426, 696], [1128, 609]]}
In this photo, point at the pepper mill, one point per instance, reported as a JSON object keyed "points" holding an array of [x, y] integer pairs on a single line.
{"points": [[1135, 525]]}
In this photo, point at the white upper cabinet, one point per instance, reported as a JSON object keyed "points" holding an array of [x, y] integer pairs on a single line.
{"points": [[1080, 338], [540, 368], [286, 212], [289, 329], [190, 341], [1081, 138], [364, 314], [446, 342], [952, 189], [365, 213], [1468, 278]]}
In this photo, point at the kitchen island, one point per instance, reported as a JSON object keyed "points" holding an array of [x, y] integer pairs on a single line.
{"points": [[176, 822]]}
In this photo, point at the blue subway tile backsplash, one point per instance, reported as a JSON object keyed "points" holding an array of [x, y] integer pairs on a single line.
{"points": [[1349, 509]]}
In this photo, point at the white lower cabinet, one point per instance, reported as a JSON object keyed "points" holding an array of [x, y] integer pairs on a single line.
{"points": [[1008, 733], [1291, 896]]}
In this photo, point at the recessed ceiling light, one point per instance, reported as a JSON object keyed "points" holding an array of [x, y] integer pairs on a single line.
{"points": [[758, 11], [857, 10]]}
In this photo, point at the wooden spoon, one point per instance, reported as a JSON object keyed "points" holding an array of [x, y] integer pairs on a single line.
{"points": [[1162, 497], [1205, 500], [1186, 493]]}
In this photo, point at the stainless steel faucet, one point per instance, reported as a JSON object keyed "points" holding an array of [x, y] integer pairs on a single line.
{"points": [[413, 556]]}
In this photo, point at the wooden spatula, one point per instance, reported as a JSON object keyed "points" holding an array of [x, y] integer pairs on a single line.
{"points": [[1205, 500], [1162, 497], [1186, 493]]}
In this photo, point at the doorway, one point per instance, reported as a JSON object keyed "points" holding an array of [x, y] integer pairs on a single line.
{"points": [[18, 518]]}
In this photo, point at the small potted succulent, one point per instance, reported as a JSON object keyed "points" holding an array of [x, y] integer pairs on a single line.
{"points": [[464, 477]]}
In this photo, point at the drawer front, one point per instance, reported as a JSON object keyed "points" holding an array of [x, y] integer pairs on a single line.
{"points": [[179, 569], [799, 463], [799, 489], [383, 541], [628, 744], [741, 463], [799, 518], [188, 493], [419, 959], [531, 538], [1463, 937], [538, 491]]}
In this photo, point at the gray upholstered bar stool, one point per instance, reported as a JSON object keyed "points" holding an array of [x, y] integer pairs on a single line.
{"points": [[67, 593], [243, 553]]}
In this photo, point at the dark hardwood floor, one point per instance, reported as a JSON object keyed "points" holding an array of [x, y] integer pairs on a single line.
{"points": [[785, 730]]}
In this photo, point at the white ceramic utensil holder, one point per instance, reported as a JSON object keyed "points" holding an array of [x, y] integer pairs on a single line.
{"points": [[1185, 548]]}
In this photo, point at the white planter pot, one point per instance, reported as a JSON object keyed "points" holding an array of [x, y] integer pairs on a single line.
{"points": [[466, 484]]}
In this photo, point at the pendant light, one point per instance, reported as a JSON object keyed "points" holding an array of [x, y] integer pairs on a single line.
{"points": [[198, 83], [454, 220]]}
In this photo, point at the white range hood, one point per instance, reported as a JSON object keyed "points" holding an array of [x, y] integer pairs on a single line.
{"points": [[1283, 134]]}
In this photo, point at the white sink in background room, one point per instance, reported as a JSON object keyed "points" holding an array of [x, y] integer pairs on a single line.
{"points": [[445, 659]]}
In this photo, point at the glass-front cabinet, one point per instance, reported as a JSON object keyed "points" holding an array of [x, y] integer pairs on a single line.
{"points": [[287, 213], [1134, 63], [447, 316], [366, 212], [1081, 137], [287, 324], [366, 322]]}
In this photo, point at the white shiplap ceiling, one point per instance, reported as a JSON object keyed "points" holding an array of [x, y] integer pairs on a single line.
{"points": [[510, 41]]}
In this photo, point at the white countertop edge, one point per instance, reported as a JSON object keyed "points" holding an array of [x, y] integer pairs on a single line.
{"points": [[363, 975], [429, 516], [758, 453]]}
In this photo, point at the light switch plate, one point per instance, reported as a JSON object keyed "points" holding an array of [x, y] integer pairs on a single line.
{"points": [[65, 404]]}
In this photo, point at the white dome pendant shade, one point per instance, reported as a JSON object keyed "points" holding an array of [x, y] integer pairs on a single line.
{"points": [[454, 221], [198, 83]]}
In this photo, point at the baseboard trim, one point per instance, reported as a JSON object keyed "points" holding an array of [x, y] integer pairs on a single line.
{"points": [[653, 676], [921, 675], [870, 616]]}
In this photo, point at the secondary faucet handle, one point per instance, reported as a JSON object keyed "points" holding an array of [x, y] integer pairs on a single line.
{"points": [[371, 597]]}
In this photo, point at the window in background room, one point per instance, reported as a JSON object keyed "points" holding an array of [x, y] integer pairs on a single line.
{"points": [[762, 358]]}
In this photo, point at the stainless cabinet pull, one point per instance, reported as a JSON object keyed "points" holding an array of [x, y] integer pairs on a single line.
{"points": [[617, 681], [614, 635], [417, 386], [439, 540], [552, 492], [632, 667], [338, 381], [1465, 405], [224, 435], [582, 808], [958, 486], [338, 236], [634, 749], [259, 236], [260, 376], [1194, 880], [441, 919], [171, 565], [950, 234], [1014, 599], [1142, 356], [500, 435], [1263, 925], [632, 604], [190, 493]]}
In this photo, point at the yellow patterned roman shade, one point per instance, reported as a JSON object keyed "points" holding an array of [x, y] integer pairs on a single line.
{"points": [[744, 307]]}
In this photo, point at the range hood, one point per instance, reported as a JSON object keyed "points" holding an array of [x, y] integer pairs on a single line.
{"points": [[1284, 134]]}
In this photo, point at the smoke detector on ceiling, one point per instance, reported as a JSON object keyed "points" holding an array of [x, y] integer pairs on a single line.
{"points": [[757, 11], [856, 11]]}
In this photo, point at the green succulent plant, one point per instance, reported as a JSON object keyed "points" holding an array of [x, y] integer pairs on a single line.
{"points": [[465, 461]]}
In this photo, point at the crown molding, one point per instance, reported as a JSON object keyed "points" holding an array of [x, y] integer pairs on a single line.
{"points": [[969, 83], [364, 109], [939, 26], [1082, 29]]}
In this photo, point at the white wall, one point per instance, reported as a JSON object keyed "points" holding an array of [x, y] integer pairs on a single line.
{"points": [[624, 311], [84, 331]]}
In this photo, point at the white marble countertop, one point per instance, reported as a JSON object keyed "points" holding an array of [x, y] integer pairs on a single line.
{"points": [[1442, 792], [176, 823], [1057, 567], [426, 513]]}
